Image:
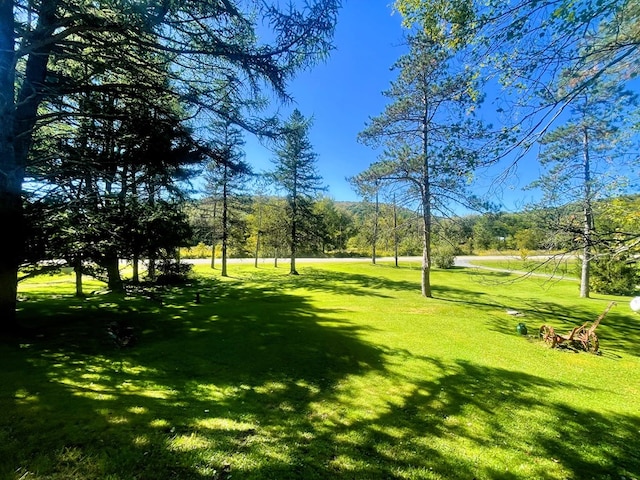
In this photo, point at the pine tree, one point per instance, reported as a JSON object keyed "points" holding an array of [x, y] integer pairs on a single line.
{"points": [[432, 140], [295, 172]]}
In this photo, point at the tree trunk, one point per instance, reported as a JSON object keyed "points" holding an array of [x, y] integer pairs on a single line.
{"points": [[293, 270], [10, 181], [294, 238], [395, 231], [225, 221], [426, 206], [17, 119], [151, 269], [375, 228], [224, 258], [255, 263], [214, 236], [587, 218], [135, 276], [77, 269], [426, 254], [114, 281]]}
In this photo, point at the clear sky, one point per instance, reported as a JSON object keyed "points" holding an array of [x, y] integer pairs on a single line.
{"points": [[345, 91]]}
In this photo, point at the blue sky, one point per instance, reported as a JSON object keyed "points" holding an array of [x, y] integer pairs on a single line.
{"points": [[345, 91], [341, 93]]}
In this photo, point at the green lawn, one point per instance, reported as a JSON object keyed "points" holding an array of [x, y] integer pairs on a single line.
{"points": [[559, 267], [342, 372]]}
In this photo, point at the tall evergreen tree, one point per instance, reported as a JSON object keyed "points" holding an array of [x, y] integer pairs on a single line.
{"points": [[226, 174], [585, 160], [431, 137], [295, 172], [213, 48]]}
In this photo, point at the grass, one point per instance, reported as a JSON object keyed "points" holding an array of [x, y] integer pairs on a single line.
{"points": [[558, 267], [342, 372]]}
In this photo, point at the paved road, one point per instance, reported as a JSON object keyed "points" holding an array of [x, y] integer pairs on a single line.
{"points": [[464, 261], [269, 261], [460, 261]]}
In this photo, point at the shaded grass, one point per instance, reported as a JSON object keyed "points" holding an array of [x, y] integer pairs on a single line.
{"points": [[341, 372]]}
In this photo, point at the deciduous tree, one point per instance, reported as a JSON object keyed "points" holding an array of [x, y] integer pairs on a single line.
{"points": [[531, 45]]}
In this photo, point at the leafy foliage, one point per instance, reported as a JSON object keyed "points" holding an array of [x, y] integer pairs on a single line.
{"points": [[444, 256], [530, 46], [615, 275], [99, 65]]}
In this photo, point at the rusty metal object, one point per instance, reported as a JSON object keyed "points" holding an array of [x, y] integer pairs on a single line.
{"points": [[580, 337]]}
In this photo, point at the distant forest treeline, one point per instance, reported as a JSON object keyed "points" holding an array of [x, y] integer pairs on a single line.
{"points": [[349, 228], [257, 227]]}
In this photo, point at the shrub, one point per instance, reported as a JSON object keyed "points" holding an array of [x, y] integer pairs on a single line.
{"points": [[444, 256], [615, 275], [170, 270], [199, 251]]}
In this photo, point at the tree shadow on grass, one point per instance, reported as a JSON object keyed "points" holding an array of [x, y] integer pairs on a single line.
{"points": [[513, 433], [618, 331], [341, 283], [188, 396], [251, 383], [424, 435]]}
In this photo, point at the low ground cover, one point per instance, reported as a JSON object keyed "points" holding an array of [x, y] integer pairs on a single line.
{"points": [[342, 372]]}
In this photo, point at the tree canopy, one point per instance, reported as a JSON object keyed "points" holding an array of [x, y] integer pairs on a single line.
{"points": [[201, 55], [530, 45], [432, 139]]}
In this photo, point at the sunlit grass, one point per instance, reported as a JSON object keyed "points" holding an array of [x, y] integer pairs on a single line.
{"points": [[342, 372], [558, 267]]}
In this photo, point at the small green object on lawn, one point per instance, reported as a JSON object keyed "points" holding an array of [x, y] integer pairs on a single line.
{"points": [[521, 328]]}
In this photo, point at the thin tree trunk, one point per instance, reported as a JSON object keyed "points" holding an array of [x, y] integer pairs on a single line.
{"points": [[426, 251], [225, 221], [375, 228], [258, 235], [223, 272], [293, 270], [213, 236], [255, 263], [426, 207], [294, 232], [395, 230], [588, 218]]}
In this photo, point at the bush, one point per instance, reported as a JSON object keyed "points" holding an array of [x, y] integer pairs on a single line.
{"points": [[175, 273], [199, 251], [444, 256], [170, 270], [615, 275]]}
